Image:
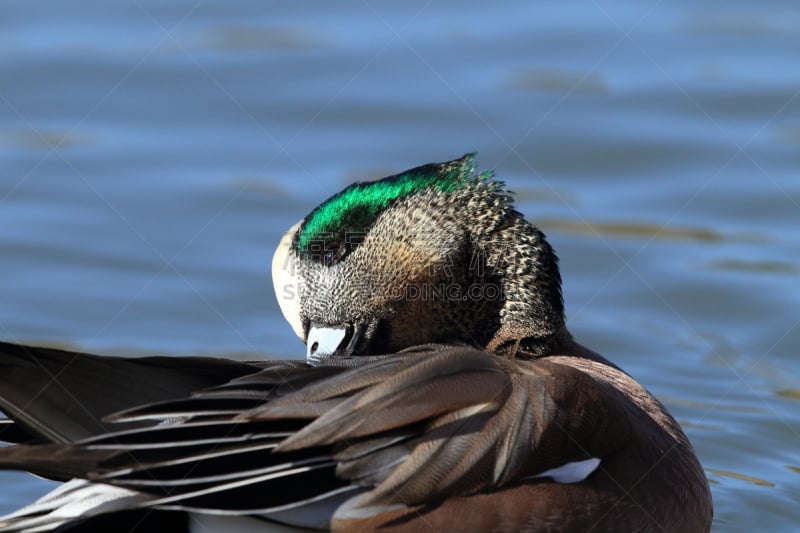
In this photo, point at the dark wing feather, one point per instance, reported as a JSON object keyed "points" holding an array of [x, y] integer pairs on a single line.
{"points": [[231, 398], [57, 462], [13, 433], [412, 429], [421, 427], [62, 396], [421, 388]]}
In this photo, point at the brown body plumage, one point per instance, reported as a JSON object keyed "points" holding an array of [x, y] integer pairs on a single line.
{"points": [[443, 391]]}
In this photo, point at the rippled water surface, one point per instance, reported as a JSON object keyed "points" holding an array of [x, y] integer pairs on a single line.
{"points": [[152, 153]]}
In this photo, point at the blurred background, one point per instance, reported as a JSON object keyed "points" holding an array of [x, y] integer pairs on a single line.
{"points": [[152, 153]]}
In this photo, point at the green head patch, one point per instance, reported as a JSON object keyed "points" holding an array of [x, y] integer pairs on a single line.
{"points": [[327, 231]]}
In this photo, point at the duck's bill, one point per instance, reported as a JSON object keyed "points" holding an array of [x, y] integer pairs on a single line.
{"points": [[332, 341]]}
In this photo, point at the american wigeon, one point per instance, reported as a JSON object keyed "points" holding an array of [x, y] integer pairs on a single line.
{"points": [[442, 391]]}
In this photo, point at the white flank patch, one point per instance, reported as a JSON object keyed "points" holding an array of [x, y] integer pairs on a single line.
{"points": [[571, 472]]}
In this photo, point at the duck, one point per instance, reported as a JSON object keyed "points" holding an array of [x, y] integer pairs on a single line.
{"points": [[441, 391]]}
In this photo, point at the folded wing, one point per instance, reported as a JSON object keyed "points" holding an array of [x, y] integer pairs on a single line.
{"points": [[299, 445]]}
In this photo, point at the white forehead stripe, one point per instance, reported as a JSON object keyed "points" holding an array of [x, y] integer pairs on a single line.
{"points": [[286, 281]]}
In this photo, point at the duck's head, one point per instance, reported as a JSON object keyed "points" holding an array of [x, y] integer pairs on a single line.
{"points": [[436, 254]]}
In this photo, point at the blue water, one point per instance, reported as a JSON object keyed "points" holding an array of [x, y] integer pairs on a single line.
{"points": [[152, 153]]}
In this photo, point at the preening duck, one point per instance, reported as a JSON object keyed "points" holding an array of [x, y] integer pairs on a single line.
{"points": [[441, 391]]}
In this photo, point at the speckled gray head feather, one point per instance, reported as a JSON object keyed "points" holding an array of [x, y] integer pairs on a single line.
{"points": [[434, 254]]}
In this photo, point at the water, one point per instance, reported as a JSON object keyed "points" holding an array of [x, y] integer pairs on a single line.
{"points": [[153, 153]]}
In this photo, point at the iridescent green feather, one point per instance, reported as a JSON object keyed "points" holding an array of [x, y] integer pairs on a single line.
{"points": [[356, 207]]}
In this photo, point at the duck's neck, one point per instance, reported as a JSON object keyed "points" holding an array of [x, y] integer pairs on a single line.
{"points": [[535, 347], [532, 314], [561, 344]]}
